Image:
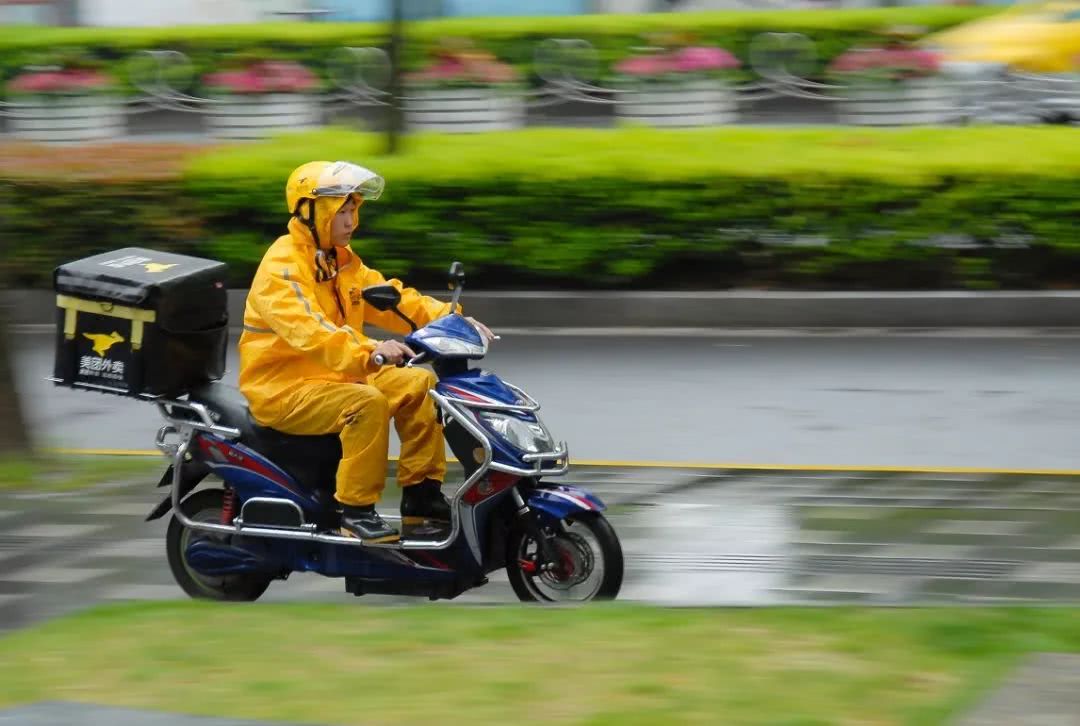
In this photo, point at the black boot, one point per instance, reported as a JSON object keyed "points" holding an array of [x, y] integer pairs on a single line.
{"points": [[366, 524], [424, 501]]}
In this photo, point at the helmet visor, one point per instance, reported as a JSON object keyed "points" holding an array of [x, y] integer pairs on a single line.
{"points": [[341, 179]]}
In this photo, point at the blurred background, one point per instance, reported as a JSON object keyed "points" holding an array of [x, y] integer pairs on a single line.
{"points": [[799, 283]]}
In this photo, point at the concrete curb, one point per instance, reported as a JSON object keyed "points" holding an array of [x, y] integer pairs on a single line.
{"points": [[712, 310]]}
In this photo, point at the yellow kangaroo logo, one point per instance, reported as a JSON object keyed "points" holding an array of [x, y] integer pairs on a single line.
{"points": [[157, 266], [102, 343]]}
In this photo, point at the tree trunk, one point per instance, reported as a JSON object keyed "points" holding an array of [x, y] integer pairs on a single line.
{"points": [[14, 438], [395, 121]]}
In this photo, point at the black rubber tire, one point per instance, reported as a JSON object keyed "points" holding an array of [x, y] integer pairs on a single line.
{"points": [[610, 550], [236, 588]]}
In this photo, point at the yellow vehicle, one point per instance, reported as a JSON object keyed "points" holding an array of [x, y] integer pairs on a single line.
{"points": [[1042, 37]]}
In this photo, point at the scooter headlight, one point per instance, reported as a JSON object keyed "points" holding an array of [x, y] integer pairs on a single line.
{"points": [[454, 346], [529, 436]]}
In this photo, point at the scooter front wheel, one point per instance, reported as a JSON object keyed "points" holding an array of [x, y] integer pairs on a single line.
{"points": [[588, 561], [206, 506]]}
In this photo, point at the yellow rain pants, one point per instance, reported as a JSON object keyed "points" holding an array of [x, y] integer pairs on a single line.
{"points": [[360, 414]]}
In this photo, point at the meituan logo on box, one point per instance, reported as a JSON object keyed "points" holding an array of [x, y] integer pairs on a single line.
{"points": [[102, 367], [130, 260]]}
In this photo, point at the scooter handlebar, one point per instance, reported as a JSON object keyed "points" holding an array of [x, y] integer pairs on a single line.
{"points": [[380, 360]]}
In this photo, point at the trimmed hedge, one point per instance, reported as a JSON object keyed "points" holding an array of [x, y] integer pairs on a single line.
{"points": [[512, 39], [838, 208]]}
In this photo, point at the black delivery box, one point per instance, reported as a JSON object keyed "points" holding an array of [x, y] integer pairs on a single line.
{"points": [[140, 323]]}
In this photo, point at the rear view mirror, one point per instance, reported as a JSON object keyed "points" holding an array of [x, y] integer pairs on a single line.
{"points": [[457, 275], [382, 297]]}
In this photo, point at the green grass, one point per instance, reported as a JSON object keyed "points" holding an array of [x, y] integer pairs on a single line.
{"points": [[61, 473], [603, 664]]}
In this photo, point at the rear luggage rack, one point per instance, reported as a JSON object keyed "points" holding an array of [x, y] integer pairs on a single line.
{"points": [[98, 388], [190, 415]]}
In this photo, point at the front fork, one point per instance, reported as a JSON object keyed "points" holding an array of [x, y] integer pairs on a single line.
{"points": [[531, 523]]}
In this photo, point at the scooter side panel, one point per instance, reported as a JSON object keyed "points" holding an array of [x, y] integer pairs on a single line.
{"points": [[250, 473], [479, 387]]}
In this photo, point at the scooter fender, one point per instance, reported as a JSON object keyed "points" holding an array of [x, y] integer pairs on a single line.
{"points": [[191, 473], [559, 501]]}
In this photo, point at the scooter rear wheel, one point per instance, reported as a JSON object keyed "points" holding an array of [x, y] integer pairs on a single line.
{"points": [[206, 506], [590, 565]]}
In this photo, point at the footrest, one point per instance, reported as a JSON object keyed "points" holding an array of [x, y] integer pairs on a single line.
{"points": [[420, 530]]}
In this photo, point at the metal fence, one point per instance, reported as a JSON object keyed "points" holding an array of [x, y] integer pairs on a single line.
{"points": [[781, 91]]}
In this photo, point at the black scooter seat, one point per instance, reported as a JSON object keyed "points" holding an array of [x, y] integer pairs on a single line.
{"points": [[312, 460]]}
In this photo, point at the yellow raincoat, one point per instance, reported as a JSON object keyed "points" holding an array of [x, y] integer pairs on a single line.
{"points": [[304, 362]]}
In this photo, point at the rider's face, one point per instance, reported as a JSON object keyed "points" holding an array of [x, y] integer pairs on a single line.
{"points": [[344, 224]]}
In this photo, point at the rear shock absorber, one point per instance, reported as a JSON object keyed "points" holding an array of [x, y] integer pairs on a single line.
{"points": [[228, 505]]}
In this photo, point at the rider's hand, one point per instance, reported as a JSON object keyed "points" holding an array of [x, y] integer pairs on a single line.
{"points": [[484, 330], [394, 352]]}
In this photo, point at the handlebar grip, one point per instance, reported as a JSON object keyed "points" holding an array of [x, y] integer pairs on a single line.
{"points": [[380, 360]]}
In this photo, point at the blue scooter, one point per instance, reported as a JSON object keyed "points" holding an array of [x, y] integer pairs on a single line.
{"points": [[276, 514]]}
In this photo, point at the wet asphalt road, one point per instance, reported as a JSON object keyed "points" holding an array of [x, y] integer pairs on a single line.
{"points": [[811, 400], [709, 536]]}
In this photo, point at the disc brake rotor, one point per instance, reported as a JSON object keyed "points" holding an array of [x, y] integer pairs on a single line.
{"points": [[575, 562]]}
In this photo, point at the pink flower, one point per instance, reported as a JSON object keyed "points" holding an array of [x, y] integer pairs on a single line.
{"points": [[907, 61], [926, 60], [265, 77], [851, 61], [474, 67], [683, 60], [283, 76], [85, 79], [231, 80], [646, 65], [251, 83], [448, 68], [63, 81], [32, 82], [704, 59]]}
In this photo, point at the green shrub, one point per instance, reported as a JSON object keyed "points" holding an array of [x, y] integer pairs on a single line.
{"points": [[630, 208], [703, 208]]}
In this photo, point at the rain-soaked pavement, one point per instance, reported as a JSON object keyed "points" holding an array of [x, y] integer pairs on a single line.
{"points": [[691, 536]]}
